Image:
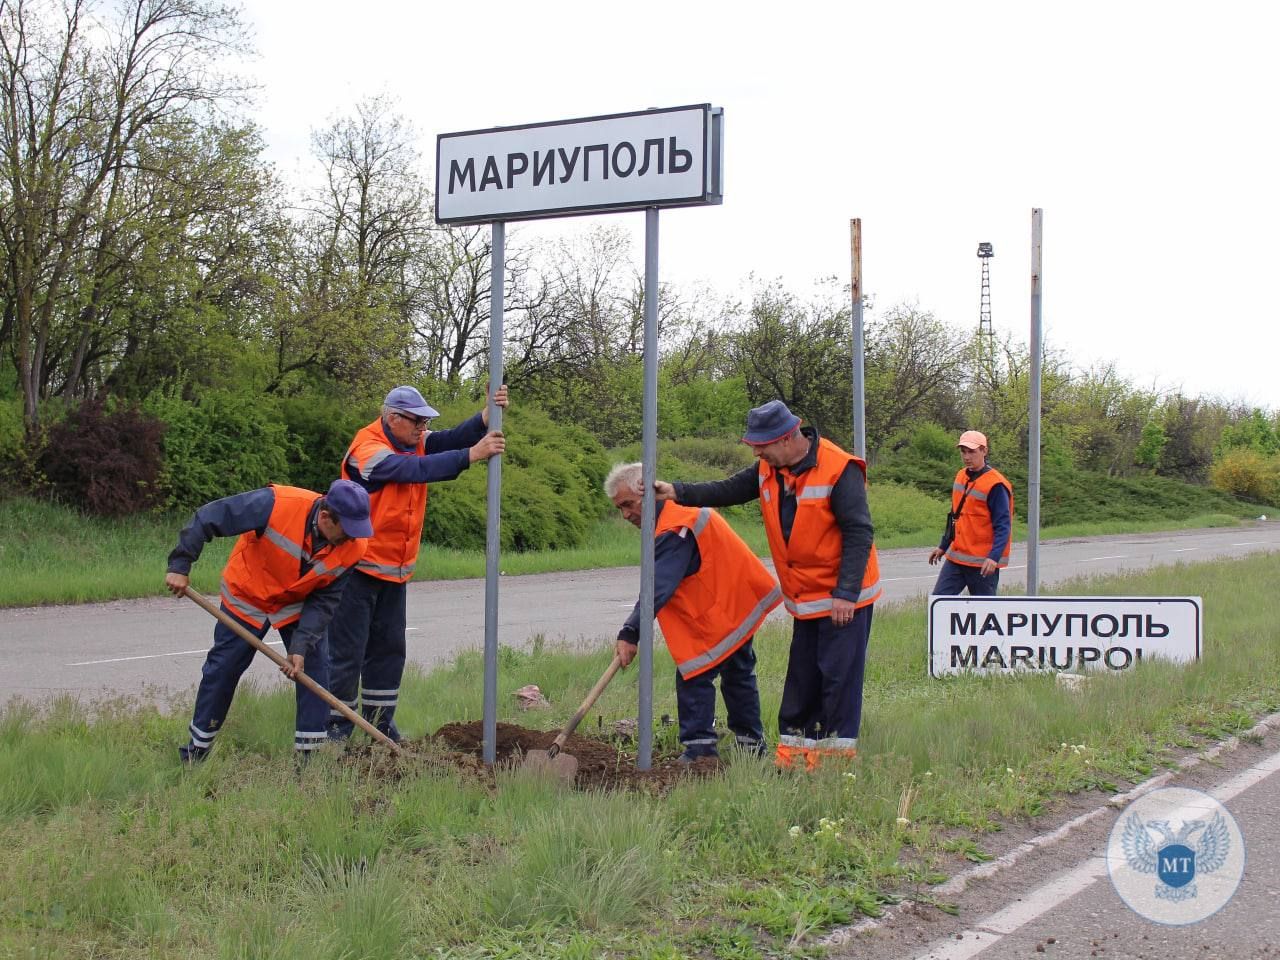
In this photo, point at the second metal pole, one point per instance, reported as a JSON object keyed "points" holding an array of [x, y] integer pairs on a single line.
{"points": [[649, 472], [1033, 431], [493, 533], [859, 349]]}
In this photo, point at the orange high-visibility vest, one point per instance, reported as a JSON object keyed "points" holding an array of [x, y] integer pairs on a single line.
{"points": [[397, 511], [808, 565], [974, 534], [716, 610], [261, 583]]}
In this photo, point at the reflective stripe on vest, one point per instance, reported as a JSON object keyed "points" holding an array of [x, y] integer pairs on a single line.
{"points": [[716, 610], [397, 510], [808, 563], [262, 582], [974, 531]]}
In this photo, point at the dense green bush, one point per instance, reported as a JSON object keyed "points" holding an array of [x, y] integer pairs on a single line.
{"points": [[219, 443], [320, 431], [551, 485], [104, 460]]}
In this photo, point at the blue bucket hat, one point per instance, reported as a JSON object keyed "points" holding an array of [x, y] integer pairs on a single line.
{"points": [[349, 502], [769, 422], [409, 400]]}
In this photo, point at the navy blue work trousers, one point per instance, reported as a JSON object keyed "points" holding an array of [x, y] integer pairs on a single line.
{"points": [[954, 578], [822, 695], [696, 705], [367, 652], [227, 661]]}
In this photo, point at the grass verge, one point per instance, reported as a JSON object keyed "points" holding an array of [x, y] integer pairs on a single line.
{"points": [[113, 850]]}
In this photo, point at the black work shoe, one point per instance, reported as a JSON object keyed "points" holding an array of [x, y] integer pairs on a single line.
{"points": [[191, 754]]}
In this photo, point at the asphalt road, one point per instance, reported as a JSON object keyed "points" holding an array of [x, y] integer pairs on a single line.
{"points": [[157, 645], [1058, 901]]}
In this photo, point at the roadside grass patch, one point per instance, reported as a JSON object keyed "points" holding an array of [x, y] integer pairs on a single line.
{"points": [[120, 851]]}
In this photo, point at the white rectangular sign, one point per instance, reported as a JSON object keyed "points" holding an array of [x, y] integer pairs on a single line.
{"points": [[626, 161], [1012, 634]]}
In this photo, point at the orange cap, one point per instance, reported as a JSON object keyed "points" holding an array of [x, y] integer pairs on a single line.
{"points": [[972, 439]]}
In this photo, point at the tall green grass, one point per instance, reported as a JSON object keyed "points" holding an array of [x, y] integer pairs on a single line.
{"points": [[248, 856]]}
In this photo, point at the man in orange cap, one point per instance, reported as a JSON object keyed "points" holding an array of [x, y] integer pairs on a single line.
{"points": [[975, 544]]}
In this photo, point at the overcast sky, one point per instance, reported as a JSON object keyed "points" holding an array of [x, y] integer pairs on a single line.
{"points": [[1146, 131]]}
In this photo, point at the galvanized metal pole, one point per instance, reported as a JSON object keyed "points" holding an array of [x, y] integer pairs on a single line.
{"points": [[859, 350], [493, 534], [1033, 432], [649, 472]]}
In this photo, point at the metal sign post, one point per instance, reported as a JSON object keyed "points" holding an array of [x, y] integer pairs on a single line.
{"points": [[671, 157], [648, 473], [493, 533], [1033, 432], [859, 350]]}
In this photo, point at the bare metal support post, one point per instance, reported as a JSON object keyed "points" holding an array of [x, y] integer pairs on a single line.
{"points": [[493, 533], [1033, 433], [859, 349], [649, 472]]}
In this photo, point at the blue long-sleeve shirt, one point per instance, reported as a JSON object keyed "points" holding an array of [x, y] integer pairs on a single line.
{"points": [[446, 453], [251, 511], [675, 556], [1001, 522], [848, 504]]}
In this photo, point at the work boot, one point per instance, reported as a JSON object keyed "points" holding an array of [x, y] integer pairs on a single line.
{"points": [[191, 754]]}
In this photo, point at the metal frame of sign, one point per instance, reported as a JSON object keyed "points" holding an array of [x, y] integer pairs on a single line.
{"points": [[712, 191]]}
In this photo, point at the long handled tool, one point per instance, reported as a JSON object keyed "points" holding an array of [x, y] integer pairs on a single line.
{"points": [[565, 765], [302, 678]]}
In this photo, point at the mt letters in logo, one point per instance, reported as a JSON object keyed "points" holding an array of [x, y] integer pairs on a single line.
{"points": [[1176, 856]]}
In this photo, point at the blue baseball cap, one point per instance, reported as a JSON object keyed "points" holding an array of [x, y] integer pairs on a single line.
{"points": [[769, 422], [349, 502], [409, 400]]}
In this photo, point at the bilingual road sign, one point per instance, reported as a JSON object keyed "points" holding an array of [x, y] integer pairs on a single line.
{"points": [[1028, 634], [671, 157]]}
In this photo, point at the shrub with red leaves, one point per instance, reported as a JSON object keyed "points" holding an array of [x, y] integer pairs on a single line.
{"points": [[104, 461]]}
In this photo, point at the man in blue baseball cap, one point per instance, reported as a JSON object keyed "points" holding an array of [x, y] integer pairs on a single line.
{"points": [[393, 458], [288, 569]]}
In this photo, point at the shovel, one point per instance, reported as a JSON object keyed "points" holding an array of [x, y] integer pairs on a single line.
{"points": [[565, 765], [302, 678]]}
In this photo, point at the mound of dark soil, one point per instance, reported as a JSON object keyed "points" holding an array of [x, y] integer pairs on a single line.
{"points": [[602, 765]]}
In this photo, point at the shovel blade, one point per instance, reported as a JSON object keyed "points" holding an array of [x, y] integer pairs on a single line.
{"points": [[563, 766]]}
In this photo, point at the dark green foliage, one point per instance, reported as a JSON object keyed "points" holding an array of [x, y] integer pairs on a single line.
{"points": [[551, 486], [320, 431], [104, 461], [220, 443]]}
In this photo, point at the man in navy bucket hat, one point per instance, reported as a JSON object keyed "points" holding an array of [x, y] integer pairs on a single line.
{"points": [[813, 501], [288, 569]]}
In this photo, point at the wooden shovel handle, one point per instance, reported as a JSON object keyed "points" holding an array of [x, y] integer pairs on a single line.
{"points": [[594, 695], [280, 661]]}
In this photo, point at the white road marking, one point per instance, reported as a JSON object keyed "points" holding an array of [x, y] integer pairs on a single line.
{"points": [[1184, 550], [153, 656], [1052, 895], [1117, 556], [1248, 543]]}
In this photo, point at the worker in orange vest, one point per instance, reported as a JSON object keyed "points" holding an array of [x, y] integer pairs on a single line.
{"points": [[288, 569], [394, 459], [814, 504], [975, 544], [710, 594]]}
